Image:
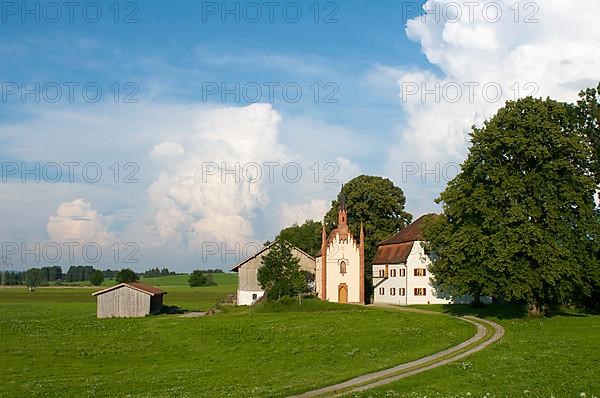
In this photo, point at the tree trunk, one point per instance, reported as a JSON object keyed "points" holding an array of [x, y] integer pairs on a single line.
{"points": [[476, 300], [536, 309]]}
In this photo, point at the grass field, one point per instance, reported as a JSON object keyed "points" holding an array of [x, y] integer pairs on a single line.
{"points": [[54, 346], [558, 356]]}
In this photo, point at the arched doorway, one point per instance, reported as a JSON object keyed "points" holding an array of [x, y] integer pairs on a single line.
{"points": [[342, 293]]}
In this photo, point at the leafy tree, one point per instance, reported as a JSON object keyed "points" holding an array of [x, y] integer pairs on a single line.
{"points": [[519, 218], [51, 274], [200, 278], [589, 118], [97, 278], [379, 205], [306, 237], [126, 275], [79, 273], [280, 274], [33, 277]]}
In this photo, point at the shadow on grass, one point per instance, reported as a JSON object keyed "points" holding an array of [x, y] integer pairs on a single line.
{"points": [[499, 311]]}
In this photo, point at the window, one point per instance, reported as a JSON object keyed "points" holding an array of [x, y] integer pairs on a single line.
{"points": [[381, 273], [402, 272], [392, 291], [381, 291], [254, 296], [402, 291], [392, 273], [420, 272], [342, 267], [420, 291]]}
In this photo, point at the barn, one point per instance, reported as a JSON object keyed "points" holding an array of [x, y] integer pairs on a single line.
{"points": [[249, 289], [128, 300]]}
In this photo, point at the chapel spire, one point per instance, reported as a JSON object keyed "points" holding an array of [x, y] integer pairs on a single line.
{"points": [[342, 226]]}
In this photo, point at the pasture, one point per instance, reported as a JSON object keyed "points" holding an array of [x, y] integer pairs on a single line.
{"points": [[557, 356], [54, 346]]}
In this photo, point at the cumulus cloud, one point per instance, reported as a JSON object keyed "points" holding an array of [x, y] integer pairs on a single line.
{"points": [[211, 192], [298, 213], [481, 62], [78, 221], [166, 149]]}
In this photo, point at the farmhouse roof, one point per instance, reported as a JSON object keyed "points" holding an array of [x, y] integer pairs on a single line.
{"points": [[412, 233], [142, 287], [396, 248], [260, 252], [393, 253]]}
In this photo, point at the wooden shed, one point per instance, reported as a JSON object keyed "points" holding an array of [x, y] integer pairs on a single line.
{"points": [[128, 300]]}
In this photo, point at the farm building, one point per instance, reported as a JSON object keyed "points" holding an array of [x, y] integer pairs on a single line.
{"points": [[128, 300], [401, 272], [249, 289]]}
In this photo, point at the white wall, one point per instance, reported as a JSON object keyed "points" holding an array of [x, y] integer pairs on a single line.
{"points": [[349, 251], [246, 297], [416, 259], [396, 282]]}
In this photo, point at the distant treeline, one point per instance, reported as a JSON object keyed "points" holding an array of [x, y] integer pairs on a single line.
{"points": [[155, 272], [55, 275]]}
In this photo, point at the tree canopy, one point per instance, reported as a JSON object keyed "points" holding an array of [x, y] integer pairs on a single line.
{"points": [[306, 237], [97, 278], [280, 274], [200, 278], [126, 275], [519, 220]]}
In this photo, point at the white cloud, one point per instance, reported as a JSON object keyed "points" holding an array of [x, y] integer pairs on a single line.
{"points": [[78, 221], [166, 149], [206, 194], [298, 213], [556, 57]]}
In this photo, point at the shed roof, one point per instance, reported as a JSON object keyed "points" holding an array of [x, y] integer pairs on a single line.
{"points": [[150, 290]]}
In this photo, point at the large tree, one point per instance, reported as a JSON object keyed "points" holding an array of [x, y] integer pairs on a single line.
{"points": [[519, 218], [306, 237], [589, 116], [280, 274]]}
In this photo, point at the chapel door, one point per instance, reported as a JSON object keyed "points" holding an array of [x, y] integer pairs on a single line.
{"points": [[343, 293]]}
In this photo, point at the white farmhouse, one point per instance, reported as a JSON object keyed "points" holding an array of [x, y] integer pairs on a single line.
{"points": [[401, 269]]}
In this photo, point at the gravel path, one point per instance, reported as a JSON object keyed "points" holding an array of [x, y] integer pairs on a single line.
{"points": [[380, 378]]}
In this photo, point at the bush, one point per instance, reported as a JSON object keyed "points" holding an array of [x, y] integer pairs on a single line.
{"points": [[126, 275], [200, 278], [97, 278]]}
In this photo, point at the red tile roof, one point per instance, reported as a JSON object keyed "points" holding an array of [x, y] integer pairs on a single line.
{"points": [[395, 249], [393, 254], [147, 288], [411, 233]]}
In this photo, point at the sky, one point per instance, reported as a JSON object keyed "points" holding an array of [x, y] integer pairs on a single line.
{"points": [[184, 134]]}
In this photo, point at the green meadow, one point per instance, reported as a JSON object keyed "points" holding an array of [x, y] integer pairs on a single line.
{"points": [[53, 345], [556, 356]]}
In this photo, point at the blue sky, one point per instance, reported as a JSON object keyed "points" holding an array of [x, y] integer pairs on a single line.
{"points": [[172, 53]]}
